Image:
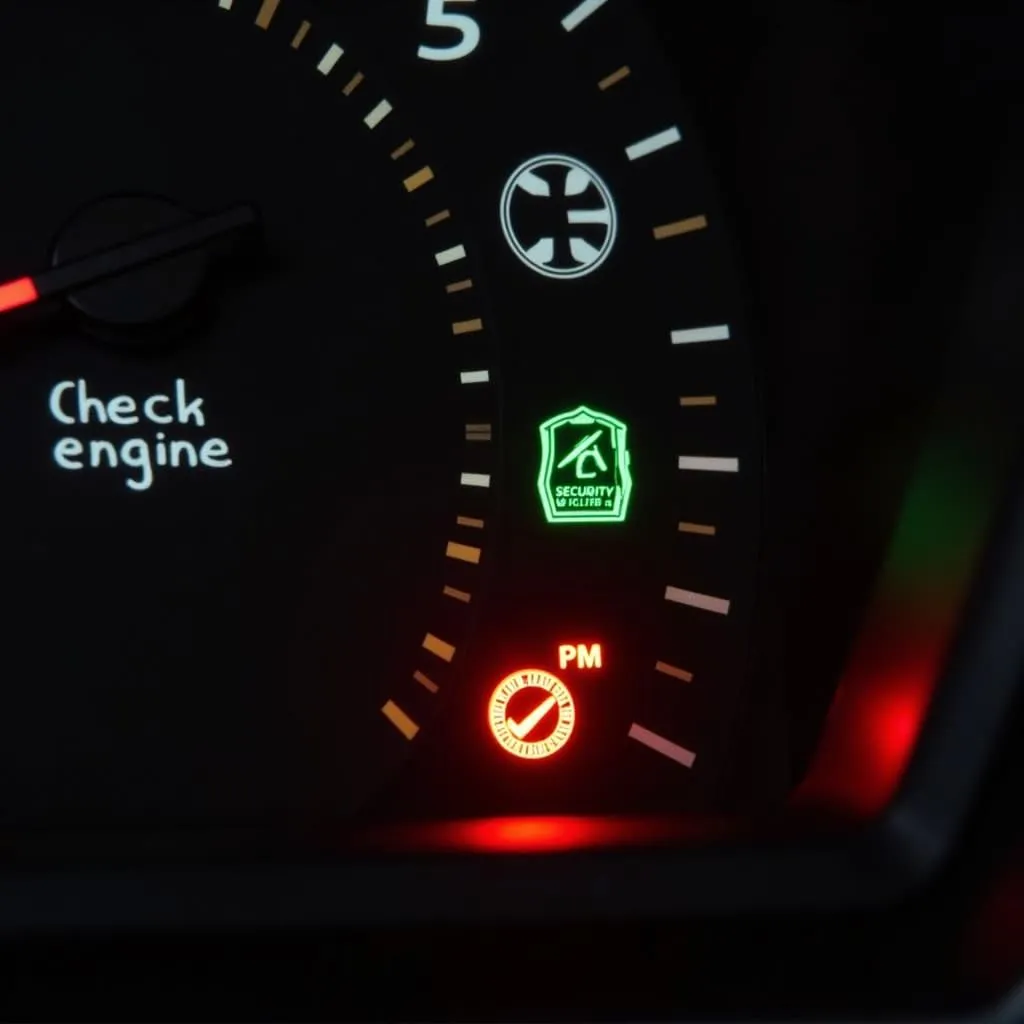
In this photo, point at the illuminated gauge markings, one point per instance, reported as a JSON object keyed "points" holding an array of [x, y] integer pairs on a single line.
{"points": [[579, 14], [330, 59], [698, 335], [663, 746], [558, 217], [352, 84], [659, 141], [531, 714], [614, 78], [680, 227], [418, 181]]}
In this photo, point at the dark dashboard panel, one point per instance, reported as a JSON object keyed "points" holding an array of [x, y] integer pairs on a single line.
{"points": [[401, 417]]}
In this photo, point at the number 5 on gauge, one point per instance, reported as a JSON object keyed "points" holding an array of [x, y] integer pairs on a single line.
{"points": [[440, 16]]}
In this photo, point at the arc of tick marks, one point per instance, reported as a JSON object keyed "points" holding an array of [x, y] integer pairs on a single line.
{"points": [[128, 256], [580, 448]]}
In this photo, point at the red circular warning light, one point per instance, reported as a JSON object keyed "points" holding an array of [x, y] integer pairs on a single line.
{"points": [[531, 714]]}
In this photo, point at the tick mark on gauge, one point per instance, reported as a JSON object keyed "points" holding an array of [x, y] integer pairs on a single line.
{"points": [[474, 326], [614, 78], [476, 480], [419, 179], [400, 720], [704, 464], [698, 401], [698, 529], [699, 335], [579, 14], [662, 140], [662, 746], [448, 256], [692, 599], [438, 647], [475, 376], [300, 36], [676, 673], [469, 523], [680, 227], [379, 112], [479, 432], [406, 147], [459, 286], [330, 59], [426, 682], [438, 218], [464, 553], [353, 83], [266, 13], [457, 595]]}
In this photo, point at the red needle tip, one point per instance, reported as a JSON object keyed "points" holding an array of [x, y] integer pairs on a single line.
{"points": [[17, 293]]}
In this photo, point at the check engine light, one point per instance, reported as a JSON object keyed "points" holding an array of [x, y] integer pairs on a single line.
{"points": [[531, 714]]}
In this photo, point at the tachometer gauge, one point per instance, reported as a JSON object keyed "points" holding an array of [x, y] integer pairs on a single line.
{"points": [[377, 417]]}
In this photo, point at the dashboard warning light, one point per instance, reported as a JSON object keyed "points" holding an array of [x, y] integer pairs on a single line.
{"points": [[583, 656], [531, 714], [585, 473]]}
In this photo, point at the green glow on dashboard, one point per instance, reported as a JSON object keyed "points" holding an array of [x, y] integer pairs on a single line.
{"points": [[584, 468]]}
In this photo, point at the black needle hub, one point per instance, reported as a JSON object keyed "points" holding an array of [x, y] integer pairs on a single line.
{"points": [[133, 265], [146, 294]]}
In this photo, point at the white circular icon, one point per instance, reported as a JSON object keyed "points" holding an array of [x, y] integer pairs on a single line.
{"points": [[558, 216]]}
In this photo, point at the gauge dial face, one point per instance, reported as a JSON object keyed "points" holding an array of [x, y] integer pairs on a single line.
{"points": [[351, 358]]}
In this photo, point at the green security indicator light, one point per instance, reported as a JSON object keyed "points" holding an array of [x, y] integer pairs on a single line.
{"points": [[584, 468]]}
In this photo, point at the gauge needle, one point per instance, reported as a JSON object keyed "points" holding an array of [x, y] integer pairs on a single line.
{"points": [[120, 259], [521, 729]]}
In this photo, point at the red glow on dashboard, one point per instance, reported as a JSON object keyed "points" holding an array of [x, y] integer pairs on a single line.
{"points": [[883, 699], [897, 718], [542, 834], [876, 720], [531, 834]]}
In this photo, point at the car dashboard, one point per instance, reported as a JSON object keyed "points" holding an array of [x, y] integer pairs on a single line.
{"points": [[513, 511]]}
